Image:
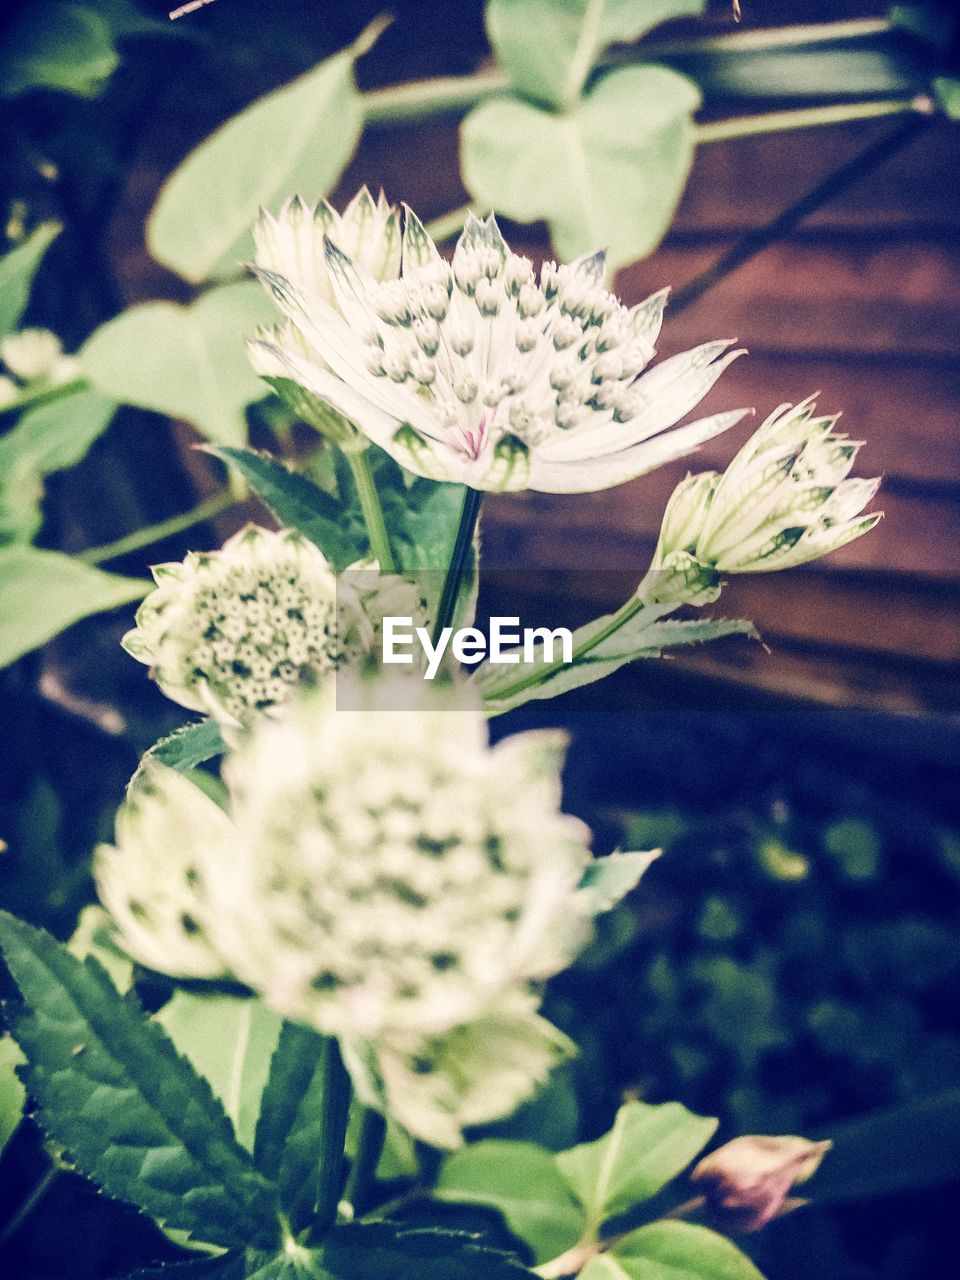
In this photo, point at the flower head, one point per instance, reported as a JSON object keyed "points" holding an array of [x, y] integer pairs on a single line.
{"points": [[34, 354], [747, 1181], [231, 631], [786, 498], [150, 881], [481, 372], [395, 872]]}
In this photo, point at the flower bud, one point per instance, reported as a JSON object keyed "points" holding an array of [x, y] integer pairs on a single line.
{"points": [[229, 632], [746, 1182], [31, 354]]}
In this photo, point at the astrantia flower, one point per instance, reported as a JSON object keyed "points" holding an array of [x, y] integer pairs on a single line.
{"points": [[786, 498], [396, 873], [230, 631], [150, 880], [480, 372]]}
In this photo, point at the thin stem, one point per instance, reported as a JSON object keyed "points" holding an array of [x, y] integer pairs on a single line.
{"points": [[29, 1204], [372, 510], [441, 95], [45, 395], [786, 222], [809, 118], [448, 224], [335, 1111], [373, 1132], [458, 560], [540, 674], [145, 537]]}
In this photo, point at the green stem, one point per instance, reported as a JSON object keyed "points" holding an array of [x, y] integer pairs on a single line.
{"points": [[458, 560], [539, 674], [145, 537], [809, 118], [373, 1132], [420, 99], [372, 510], [793, 37], [28, 1206], [335, 1112], [45, 395]]}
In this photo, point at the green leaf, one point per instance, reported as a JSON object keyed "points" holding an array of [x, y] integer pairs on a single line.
{"points": [[610, 878], [377, 1250], [44, 592], [647, 1146], [645, 635], [186, 362], [93, 936], [555, 69], [898, 1149], [947, 89], [189, 746], [17, 270], [12, 1093], [300, 504], [132, 1113], [608, 173], [49, 438], [522, 1182], [58, 45], [289, 1135], [672, 1251], [299, 137], [230, 1041]]}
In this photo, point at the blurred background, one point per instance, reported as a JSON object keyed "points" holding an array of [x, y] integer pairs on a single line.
{"points": [[792, 963]]}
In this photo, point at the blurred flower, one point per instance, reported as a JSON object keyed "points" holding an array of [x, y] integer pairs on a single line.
{"points": [[386, 877], [784, 499], [229, 632], [747, 1181], [150, 880], [9, 391], [31, 354], [478, 372]]}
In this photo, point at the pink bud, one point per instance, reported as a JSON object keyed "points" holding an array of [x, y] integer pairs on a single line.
{"points": [[747, 1181]]}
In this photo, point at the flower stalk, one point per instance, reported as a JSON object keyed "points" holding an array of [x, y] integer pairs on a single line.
{"points": [[372, 510], [469, 513], [373, 1132], [335, 1112]]}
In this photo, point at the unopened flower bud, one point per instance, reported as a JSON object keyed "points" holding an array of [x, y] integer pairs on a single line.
{"points": [[747, 1181], [31, 353]]}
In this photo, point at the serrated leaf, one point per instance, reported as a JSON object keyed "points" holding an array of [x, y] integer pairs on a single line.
{"points": [[229, 1267], [44, 592], [610, 878], [299, 137], [186, 362], [300, 504], [373, 1251], [289, 1135], [555, 70], [133, 1115], [189, 746], [12, 1092], [230, 1040], [608, 173], [522, 1182], [17, 270], [647, 1146], [93, 936], [646, 635], [672, 1251], [46, 439]]}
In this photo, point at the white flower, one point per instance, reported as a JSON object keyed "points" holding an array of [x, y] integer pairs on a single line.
{"points": [[229, 632], [9, 391], [151, 882], [785, 499], [472, 1075], [479, 372], [31, 353], [292, 243], [395, 873]]}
